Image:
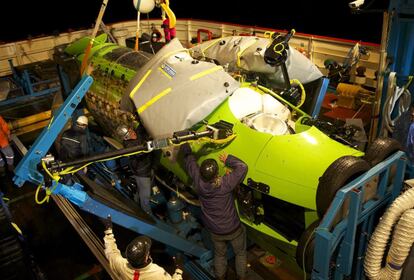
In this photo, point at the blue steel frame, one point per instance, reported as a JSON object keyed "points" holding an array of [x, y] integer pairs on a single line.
{"points": [[26, 170], [340, 238], [321, 96], [25, 82], [159, 231], [401, 45]]}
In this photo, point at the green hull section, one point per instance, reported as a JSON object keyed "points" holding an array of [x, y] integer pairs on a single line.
{"points": [[289, 164]]}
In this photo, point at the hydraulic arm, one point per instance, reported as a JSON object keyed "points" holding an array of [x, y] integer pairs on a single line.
{"points": [[219, 131]]}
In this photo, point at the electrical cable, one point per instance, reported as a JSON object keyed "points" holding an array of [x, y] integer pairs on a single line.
{"points": [[304, 254], [303, 95], [272, 93], [395, 95]]}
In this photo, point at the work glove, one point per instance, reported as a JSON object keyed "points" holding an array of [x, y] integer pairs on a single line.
{"points": [[108, 223], [185, 149]]}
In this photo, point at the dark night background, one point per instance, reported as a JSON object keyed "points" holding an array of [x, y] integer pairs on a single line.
{"points": [[23, 19]]}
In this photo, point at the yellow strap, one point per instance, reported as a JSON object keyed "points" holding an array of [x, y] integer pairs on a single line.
{"points": [[16, 227], [209, 46], [165, 73], [268, 34], [153, 100], [239, 54], [282, 100], [139, 84], [407, 85], [170, 14], [50, 123], [205, 72]]}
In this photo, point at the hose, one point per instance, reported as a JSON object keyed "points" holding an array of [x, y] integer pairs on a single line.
{"points": [[394, 94], [303, 93], [272, 93], [45, 199], [401, 243]]}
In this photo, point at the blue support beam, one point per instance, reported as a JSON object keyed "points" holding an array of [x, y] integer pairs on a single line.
{"points": [[321, 96], [160, 231], [26, 170], [25, 82], [27, 98], [346, 251], [366, 228], [400, 48], [401, 40]]}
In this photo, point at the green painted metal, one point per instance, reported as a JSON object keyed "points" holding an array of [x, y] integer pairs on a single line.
{"points": [[102, 49], [80, 45], [289, 164]]}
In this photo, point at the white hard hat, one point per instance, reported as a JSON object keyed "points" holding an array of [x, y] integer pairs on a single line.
{"points": [[82, 120], [122, 131]]}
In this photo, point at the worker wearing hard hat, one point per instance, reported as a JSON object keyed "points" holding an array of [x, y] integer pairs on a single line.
{"points": [[5, 148], [219, 214], [410, 138], [139, 164], [74, 141], [137, 264]]}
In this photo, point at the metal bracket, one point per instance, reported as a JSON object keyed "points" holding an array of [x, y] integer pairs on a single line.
{"points": [[263, 188]]}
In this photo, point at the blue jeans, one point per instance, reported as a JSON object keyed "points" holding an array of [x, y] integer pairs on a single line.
{"points": [[237, 240], [9, 154], [143, 192]]}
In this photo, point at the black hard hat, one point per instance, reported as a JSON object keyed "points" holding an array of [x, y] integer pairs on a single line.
{"points": [[137, 251], [209, 169]]}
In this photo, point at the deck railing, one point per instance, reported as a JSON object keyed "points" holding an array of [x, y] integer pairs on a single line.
{"points": [[318, 48]]}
